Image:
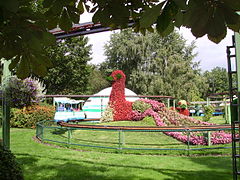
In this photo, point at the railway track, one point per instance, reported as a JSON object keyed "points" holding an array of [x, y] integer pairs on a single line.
{"points": [[146, 128]]}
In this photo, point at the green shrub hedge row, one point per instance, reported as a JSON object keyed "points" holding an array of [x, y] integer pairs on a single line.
{"points": [[28, 117]]}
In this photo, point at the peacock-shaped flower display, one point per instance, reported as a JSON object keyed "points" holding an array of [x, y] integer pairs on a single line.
{"points": [[122, 109]]}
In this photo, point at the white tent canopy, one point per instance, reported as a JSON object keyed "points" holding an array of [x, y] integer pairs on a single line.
{"points": [[96, 105], [65, 100], [92, 108]]}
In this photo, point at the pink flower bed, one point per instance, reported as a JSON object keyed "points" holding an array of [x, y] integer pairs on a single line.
{"points": [[166, 117], [122, 111]]}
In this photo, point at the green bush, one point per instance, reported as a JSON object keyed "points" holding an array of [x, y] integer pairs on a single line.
{"points": [[140, 106], [28, 117], [9, 168], [208, 110]]}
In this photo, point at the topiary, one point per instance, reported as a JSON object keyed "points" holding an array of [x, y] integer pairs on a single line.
{"points": [[9, 167], [208, 110], [140, 106]]}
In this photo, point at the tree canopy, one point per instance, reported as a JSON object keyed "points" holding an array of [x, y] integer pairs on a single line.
{"points": [[24, 26], [70, 72], [97, 80], [217, 80], [155, 65]]}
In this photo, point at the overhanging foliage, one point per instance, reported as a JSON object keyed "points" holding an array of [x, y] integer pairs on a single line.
{"points": [[24, 24]]}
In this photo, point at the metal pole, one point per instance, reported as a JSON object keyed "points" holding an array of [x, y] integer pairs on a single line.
{"points": [[5, 106], [209, 138], [69, 136], [188, 142], [237, 50], [42, 134], [101, 106], [37, 131], [225, 110], [120, 139], [123, 138], [208, 101]]}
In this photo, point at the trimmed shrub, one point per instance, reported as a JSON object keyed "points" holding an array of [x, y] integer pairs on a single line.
{"points": [[140, 106], [28, 117], [24, 93], [10, 169], [208, 110]]}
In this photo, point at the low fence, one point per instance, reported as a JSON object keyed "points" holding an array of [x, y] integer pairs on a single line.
{"points": [[125, 137]]}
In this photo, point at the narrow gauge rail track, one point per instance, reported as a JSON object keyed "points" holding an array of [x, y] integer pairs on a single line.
{"points": [[146, 128]]}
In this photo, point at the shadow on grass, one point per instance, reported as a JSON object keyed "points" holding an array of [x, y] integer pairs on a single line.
{"points": [[69, 169], [128, 143], [59, 131]]}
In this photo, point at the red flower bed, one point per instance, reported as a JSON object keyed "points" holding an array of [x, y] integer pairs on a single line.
{"points": [[122, 109]]}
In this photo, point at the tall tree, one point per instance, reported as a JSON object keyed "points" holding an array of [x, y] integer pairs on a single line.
{"points": [[70, 72], [155, 65], [217, 80], [24, 28], [97, 80]]}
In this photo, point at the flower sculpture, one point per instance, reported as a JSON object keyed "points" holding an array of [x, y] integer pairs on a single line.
{"points": [[122, 109], [166, 117], [182, 108]]}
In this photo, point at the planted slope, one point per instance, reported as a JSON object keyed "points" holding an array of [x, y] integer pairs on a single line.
{"points": [[166, 117]]}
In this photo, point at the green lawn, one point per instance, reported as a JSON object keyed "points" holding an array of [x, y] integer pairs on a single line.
{"points": [[214, 119], [40, 161], [132, 139]]}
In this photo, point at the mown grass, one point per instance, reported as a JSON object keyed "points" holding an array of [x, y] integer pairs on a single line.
{"points": [[127, 141], [42, 162], [214, 119]]}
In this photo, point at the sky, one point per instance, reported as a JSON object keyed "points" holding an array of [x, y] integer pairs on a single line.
{"points": [[209, 54]]}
